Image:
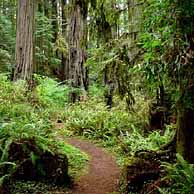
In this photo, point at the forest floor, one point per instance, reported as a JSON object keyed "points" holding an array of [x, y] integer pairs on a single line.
{"points": [[103, 173], [100, 176]]}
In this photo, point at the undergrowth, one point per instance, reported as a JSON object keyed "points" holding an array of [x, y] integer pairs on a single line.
{"points": [[118, 129], [180, 176], [32, 187], [135, 141], [23, 115], [50, 92], [44, 114]]}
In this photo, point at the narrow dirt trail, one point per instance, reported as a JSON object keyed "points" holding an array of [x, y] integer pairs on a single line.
{"points": [[103, 174]]}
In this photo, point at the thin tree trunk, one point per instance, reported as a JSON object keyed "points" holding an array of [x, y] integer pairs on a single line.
{"points": [[25, 40], [46, 8], [55, 20], [64, 59]]}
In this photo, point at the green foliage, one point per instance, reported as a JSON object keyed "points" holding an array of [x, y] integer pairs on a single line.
{"points": [[48, 52], [181, 175], [45, 47], [156, 41], [7, 41], [50, 93], [103, 15], [135, 141], [111, 59], [92, 119], [61, 45], [20, 120], [164, 39], [96, 91], [109, 52], [110, 12]]}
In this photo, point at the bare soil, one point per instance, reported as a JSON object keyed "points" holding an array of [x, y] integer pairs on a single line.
{"points": [[103, 173]]}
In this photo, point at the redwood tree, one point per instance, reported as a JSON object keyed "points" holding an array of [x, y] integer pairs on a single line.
{"points": [[64, 58], [77, 44], [25, 40]]}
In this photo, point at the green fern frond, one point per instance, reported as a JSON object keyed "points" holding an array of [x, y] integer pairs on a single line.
{"points": [[5, 153]]}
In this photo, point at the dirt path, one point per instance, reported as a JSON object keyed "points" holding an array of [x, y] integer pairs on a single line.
{"points": [[103, 175]]}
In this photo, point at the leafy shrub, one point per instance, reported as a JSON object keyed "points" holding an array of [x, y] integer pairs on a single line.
{"points": [[50, 92], [93, 120], [135, 141], [181, 176], [96, 91], [7, 43], [21, 120]]}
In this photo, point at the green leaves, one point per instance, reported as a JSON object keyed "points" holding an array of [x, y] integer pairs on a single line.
{"points": [[135, 141], [50, 92], [7, 42], [46, 49], [157, 44], [181, 174], [94, 121], [28, 116]]}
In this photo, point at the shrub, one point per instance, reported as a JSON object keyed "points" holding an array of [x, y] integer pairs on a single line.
{"points": [[21, 120], [51, 93], [181, 176], [92, 119], [135, 141], [7, 43]]}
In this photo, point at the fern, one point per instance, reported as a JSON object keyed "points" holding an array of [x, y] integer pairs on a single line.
{"points": [[4, 156], [181, 175], [3, 180], [7, 176]]}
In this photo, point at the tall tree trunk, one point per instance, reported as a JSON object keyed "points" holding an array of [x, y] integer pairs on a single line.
{"points": [[77, 43], [185, 128], [25, 40], [46, 8], [55, 20], [64, 58], [134, 19], [105, 34], [185, 106]]}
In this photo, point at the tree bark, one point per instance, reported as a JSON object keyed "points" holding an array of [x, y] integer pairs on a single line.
{"points": [[46, 8], [64, 59], [55, 20], [185, 104], [185, 123], [134, 18], [77, 43], [25, 40]]}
